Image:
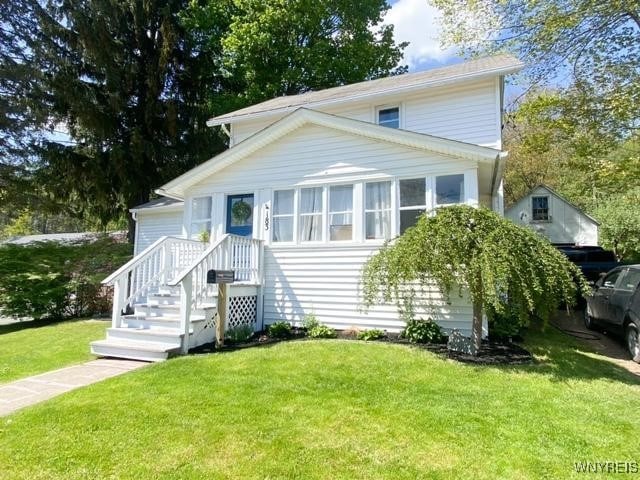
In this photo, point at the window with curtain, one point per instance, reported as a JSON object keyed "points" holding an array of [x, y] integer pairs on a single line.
{"points": [[377, 210], [310, 220], [449, 189], [282, 224], [200, 215], [413, 201], [389, 117], [540, 209], [341, 212]]}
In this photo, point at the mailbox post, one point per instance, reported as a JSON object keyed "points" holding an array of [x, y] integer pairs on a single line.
{"points": [[222, 278]]}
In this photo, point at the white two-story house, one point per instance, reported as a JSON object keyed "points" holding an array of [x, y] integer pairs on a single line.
{"points": [[310, 187]]}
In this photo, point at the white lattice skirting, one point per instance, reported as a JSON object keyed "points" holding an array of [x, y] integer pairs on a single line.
{"points": [[243, 310]]}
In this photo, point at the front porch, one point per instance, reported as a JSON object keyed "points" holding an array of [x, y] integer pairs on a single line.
{"points": [[163, 305]]}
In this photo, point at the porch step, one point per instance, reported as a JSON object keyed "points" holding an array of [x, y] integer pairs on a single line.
{"points": [[150, 335], [151, 321], [169, 310], [134, 350]]}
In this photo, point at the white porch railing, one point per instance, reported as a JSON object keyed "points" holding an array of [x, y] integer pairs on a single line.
{"points": [[231, 252], [176, 261], [156, 265]]}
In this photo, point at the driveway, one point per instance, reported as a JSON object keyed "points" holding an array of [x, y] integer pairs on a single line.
{"points": [[600, 341]]}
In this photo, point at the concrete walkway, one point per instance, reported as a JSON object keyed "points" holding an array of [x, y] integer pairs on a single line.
{"points": [[36, 389]]}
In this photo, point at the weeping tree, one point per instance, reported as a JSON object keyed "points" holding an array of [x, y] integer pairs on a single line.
{"points": [[503, 267]]}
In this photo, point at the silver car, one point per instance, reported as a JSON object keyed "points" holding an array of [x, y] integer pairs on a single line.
{"points": [[614, 304]]}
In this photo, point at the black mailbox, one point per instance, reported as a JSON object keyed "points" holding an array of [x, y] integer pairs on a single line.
{"points": [[220, 276]]}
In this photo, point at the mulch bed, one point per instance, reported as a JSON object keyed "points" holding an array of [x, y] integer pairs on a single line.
{"points": [[491, 353]]}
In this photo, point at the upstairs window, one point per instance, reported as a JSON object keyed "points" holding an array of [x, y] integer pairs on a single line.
{"points": [[341, 212], [413, 201], [389, 117], [283, 215], [310, 214], [449, 189], [540, 209], [200, 215], [377, 210]]}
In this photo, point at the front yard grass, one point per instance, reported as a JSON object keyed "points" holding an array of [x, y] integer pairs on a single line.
{"points": [[334, 409], [37, 346]]}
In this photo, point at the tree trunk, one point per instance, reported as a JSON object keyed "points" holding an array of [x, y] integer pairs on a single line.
{"points": [[476, 329]]}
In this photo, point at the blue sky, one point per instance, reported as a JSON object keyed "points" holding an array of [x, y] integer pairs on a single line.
{"points": [[417, 22]]}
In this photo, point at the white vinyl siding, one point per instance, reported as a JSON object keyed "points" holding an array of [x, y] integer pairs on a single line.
{"points": [[151, 225], [325, 281], [467, 112]]}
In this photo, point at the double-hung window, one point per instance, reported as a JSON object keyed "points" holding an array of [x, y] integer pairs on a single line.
{"points": [[283, 215], [540, 209], [310, 221], [341, 212], [200, 215], [413, 201], [377, 210]]}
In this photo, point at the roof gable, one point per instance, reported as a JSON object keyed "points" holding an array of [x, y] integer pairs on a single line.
{"points": [[560, 197], [482, 67], [178, 187]]}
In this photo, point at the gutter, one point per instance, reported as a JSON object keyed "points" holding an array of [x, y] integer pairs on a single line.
{"points": [[498, 170]]}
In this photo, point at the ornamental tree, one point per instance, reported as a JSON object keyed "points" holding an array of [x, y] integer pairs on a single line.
{"points": [[503, 267]]}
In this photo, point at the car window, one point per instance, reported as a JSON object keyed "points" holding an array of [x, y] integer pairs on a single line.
{"points": [[610, 280], [601, 256], [630, 280]]}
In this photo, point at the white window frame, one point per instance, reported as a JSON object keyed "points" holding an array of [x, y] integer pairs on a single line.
{"points": [[428, 203], [548, 219], [322, 214], [352, 212], [464, 196], [392, 207], [198, 221], [294, 215], [379, 108]]}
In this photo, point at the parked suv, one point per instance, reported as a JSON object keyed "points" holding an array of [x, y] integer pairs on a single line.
{"points": [[592, 261], [615, 304]]}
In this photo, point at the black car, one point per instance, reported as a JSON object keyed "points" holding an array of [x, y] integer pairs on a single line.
{"points": [[615, 304], [592, 261]]}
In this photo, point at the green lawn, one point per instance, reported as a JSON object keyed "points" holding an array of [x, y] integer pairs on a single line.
{"points": [[29, 348], [334, 409]]}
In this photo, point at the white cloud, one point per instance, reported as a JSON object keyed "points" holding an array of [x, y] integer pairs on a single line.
{"points": [[418, 22]]}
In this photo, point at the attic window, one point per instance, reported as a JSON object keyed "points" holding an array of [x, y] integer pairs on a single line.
{"points": [[540, 209], [389, 117]]}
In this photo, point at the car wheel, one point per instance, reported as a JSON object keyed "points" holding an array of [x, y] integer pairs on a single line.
{"points": [[633, 345], [588, 319]]}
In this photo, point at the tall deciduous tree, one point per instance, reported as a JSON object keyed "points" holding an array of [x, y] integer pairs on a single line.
{"points": [[592, 45], [285, 47]]}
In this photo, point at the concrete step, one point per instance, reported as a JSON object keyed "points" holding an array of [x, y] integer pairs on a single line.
{"points": [[151, 335], [134, 350]]}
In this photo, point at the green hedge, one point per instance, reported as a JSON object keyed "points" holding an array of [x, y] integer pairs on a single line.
{"points": [[53, 280]]}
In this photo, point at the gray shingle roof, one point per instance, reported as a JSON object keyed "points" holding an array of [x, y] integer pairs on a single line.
{"points": [[158, 202], [499, 64]]}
